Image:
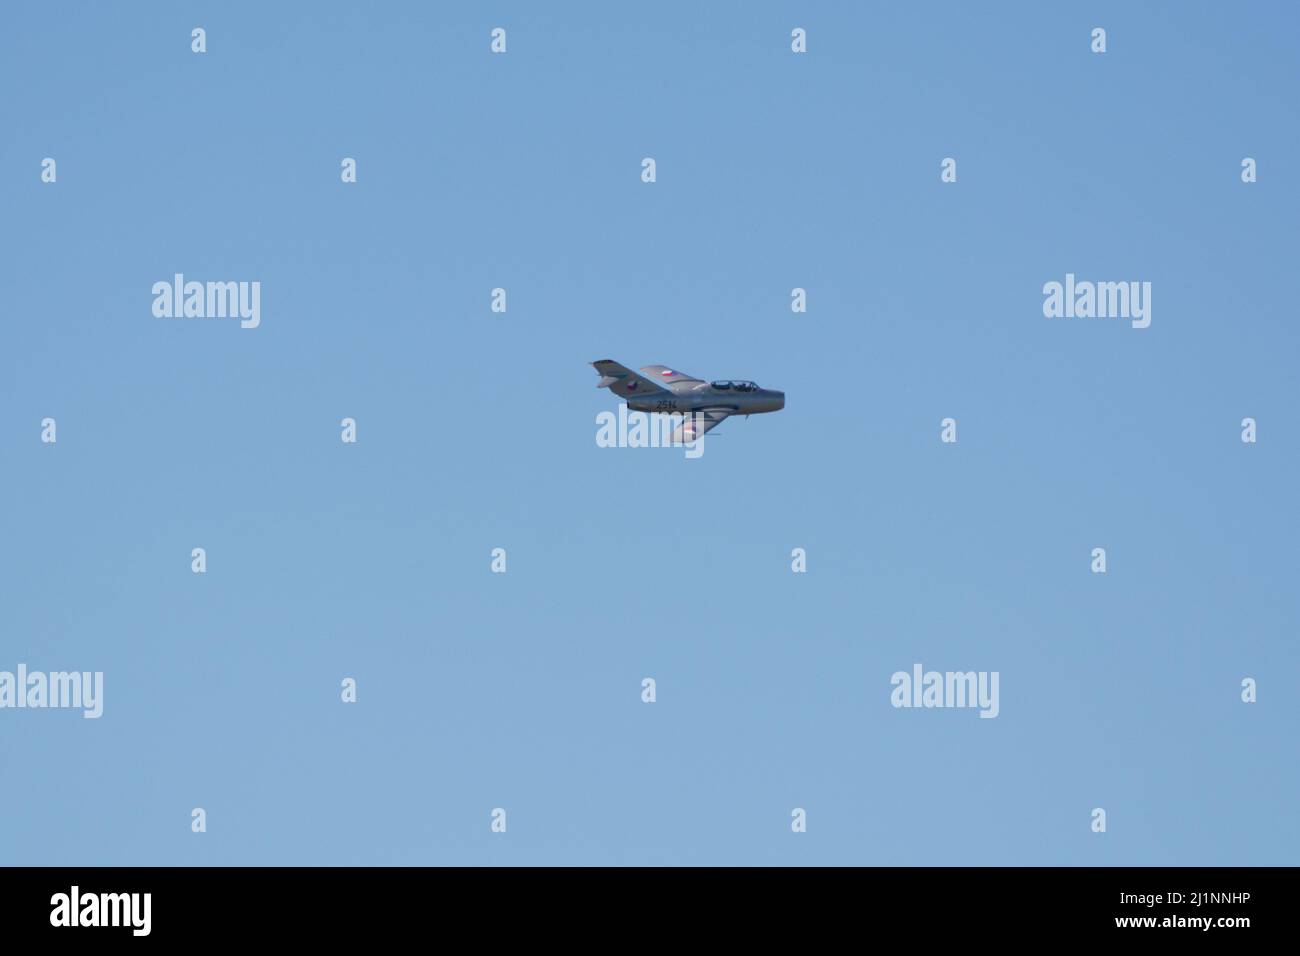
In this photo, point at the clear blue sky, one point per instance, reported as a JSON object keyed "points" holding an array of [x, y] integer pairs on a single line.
{"points": [[477, 430]]}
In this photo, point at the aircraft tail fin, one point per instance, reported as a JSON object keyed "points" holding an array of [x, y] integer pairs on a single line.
{"points": [[624, 382]]}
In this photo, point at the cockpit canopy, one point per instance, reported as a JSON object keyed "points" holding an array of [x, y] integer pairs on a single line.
{"points": [[737, 386]]}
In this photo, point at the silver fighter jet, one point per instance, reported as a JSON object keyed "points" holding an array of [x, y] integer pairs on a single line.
{"points": [[668, 391]]}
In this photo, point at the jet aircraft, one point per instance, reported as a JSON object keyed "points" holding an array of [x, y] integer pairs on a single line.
{"points": [[668, 391]]}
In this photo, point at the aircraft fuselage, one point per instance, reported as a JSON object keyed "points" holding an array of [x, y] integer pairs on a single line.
{"points": [[753, 402]]}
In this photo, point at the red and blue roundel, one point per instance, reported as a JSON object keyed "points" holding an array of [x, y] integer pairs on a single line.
{"points": [[631, 386], [666, 372]]}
